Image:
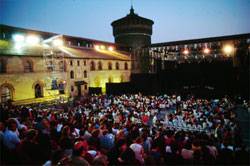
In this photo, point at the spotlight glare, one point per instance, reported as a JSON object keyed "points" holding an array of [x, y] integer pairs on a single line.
{"points": [[57, 42], [186, 52], [32, 40], [18, 46], [228, 49], [102, 47], [18, 38], [111, 48], [206, 51], [97, 47]]}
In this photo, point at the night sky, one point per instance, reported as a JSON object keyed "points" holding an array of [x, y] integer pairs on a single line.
{"points": [[174, 19]]}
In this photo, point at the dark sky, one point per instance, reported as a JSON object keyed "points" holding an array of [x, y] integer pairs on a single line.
{"points": [[174, 19]]}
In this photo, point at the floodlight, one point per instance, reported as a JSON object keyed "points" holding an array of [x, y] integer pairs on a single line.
{"points": [[97, 47], [18, 38], [228, 49], [111, 48], [32, 39], [206, 51], [18, 46], [102, 47], [186, 52], [57, 42]]}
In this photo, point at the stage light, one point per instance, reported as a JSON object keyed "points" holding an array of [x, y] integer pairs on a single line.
{"points": [[18, 46], [102, 47], [32, 39], [18, 38], [97, 47], [57, 42], [228, 49], [186, 52], [111, 48], [206, 51]]}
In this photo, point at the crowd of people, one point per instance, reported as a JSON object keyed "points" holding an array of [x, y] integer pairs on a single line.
{"points": [[123, 130]]}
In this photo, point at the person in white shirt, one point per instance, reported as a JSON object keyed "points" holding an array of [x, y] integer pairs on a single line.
{"points": [[11, 138], [138, 150]]}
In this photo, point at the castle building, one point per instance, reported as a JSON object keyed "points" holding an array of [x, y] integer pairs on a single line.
{"points": [[37, 65], [234, 48], [135, 33]]}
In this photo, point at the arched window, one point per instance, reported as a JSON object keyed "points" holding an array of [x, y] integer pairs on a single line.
{"points": [[38, 91], [110, 66], [72, 74], [92, 65], [2, 66], [117, 66], [62, 66], [28, 67], [99, 65], [6, 93], [85, 74], [126, 66]]}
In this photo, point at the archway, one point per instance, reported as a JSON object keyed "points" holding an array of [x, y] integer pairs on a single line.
{"points": [[38, 91], [6, 92]]}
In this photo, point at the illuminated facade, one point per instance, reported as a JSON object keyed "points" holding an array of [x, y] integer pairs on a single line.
{"points": [[135, 32], [48, 69], [234, 47]]}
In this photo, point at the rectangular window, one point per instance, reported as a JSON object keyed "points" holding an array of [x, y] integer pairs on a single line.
{"points": [[84, 62], [71, 63], [78, 63], [195, 45], [50, 66], [85, 74]]}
